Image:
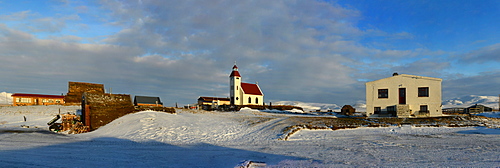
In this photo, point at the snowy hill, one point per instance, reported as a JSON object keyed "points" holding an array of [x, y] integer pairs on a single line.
{"points": [[192, 138], [5, 98], [466, 101]]}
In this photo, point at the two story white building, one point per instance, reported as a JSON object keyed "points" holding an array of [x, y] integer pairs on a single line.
{"points": [[404, 96]]}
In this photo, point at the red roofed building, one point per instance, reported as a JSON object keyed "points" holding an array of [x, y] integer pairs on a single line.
{"points": [[23, 99], [244, 93]]}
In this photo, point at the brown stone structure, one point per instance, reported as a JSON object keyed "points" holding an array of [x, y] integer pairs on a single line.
{"points": [[76, 90], [347, 110], [99, 109]]}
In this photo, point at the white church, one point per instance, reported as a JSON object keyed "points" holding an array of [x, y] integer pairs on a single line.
{"points": [[243, 93]]}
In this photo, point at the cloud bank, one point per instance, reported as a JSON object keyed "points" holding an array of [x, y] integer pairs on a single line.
{"points": [[310, 51]]}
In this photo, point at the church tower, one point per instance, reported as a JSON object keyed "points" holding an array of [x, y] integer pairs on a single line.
{"points": [[235, 92]]}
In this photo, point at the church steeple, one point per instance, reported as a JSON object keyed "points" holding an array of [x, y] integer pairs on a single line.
{"points": [[235, 86], [235, 71]]}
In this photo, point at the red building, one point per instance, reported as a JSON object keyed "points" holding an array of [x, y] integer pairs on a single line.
{"points": [[23, 99]]}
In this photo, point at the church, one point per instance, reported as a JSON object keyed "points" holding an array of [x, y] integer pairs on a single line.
{"points": [[243, 93]]}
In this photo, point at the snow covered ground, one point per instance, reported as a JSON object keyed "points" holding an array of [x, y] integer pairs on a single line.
{"points": [[225, 139]]}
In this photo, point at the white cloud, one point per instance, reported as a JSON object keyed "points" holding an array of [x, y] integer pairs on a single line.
{"points": [[485, 54], [297, 50]]}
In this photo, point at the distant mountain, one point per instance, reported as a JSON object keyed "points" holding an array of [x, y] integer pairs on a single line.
{"points": [[466, 101], [5, 98]]}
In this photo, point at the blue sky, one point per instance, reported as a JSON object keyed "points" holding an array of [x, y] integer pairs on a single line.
{"points": [[309, 51]]}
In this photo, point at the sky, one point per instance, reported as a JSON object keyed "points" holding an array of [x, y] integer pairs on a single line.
{"points": [[297, 50]]}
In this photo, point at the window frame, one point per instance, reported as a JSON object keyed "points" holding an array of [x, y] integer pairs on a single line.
{"points": [[382, 95], [423, 91], [426, 108]]}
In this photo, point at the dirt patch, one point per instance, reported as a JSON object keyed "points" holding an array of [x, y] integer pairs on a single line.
{"points": [[299, 123]]}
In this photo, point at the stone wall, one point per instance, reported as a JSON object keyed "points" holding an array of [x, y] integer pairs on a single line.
{"points": [[76, 90], [99, 109]]}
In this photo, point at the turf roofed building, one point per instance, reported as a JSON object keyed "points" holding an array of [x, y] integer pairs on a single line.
{"points": [[404, 96], [243, 93]]}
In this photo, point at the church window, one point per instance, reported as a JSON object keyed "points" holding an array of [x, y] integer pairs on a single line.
{"points": [[256, 100], [249, 100], [237, 98], [237, 87]]}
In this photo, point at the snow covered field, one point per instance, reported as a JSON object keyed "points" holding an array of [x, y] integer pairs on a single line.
{"points": [[224, 139]]}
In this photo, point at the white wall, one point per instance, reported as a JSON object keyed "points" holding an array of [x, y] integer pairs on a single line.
{"points": [[246, 96], [411, 83]]}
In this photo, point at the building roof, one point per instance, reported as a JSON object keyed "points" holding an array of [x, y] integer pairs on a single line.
{"points": [[37, 95], [252, 89], [408, 76], [478, 106], [214, 98], [147, 100], [235, 73]]}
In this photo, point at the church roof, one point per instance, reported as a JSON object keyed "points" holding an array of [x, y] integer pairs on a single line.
{"points": [[235, 73], [252, 89]]}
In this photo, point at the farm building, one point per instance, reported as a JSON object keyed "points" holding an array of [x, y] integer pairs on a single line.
{"points": [[22, 99], [477, 108], [212, 102], [404, 96], [147, 101], [243, 93]]}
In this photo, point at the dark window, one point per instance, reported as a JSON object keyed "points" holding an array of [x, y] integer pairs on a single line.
{"points": [[256, 100], [249, 100], [391, 109], [423, 108], [383, 93], [423, 92], [377, 110]]}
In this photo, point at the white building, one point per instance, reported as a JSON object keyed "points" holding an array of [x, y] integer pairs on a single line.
{"points": [[243, 93], [404, 96]]}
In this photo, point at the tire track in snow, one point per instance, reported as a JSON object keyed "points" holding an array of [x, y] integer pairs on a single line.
{"points": [[267, 130]]}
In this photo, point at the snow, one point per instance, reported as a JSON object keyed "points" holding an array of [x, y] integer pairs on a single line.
{"points": [[194, 138], [5, 98]]}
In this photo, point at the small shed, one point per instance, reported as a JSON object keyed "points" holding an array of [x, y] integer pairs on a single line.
{"points": [[347, 110], [147, 101], [478, 108]]}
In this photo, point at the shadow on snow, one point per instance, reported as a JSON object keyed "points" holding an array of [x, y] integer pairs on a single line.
{"points": [[113, 152]]}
